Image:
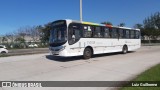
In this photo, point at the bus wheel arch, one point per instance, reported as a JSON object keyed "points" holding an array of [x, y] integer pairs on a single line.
{"points": [[88, 52], [3, 52], [125, 49]]}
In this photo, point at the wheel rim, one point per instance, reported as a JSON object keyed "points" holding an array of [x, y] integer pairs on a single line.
{"points": [[88, 54], [125, 50]]}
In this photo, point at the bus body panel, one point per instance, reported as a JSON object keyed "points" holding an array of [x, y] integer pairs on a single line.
{"points": [[99, 45]]}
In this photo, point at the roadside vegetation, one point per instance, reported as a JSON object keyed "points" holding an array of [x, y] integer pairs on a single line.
{"points": [[152, 74], [4, 55]]}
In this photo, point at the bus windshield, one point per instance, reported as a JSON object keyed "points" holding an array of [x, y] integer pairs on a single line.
{"points": [[58, 34]]}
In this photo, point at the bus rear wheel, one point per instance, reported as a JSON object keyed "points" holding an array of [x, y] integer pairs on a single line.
{"points": [[124, 49], [87, 54]]}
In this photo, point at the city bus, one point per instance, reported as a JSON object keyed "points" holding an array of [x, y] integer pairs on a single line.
{"points": [[75, 38]]}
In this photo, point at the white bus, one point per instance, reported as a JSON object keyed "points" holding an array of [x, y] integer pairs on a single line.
{"points": [[74, 38]]}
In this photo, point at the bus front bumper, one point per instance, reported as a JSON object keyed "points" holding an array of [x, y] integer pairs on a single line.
{"points": [[59, 53]]}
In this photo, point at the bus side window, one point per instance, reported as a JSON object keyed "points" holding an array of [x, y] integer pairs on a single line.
{"points": [[87, 31], [121, 33], [114, 33], [97, 32], [106, 32], [127, 34], [74, 33], [137, 34], [132, 35], [124, 33]]}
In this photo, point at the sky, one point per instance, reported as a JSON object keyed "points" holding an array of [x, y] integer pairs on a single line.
{"points": [[15, 14]]}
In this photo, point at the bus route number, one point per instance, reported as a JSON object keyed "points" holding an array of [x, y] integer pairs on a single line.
{"points": [[90, 42]]}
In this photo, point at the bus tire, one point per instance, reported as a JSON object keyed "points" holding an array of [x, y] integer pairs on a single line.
{"points": [[124, 49], [87, 54]]}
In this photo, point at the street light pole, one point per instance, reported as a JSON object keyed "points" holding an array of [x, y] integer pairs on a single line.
{"points": [[81, 11]]}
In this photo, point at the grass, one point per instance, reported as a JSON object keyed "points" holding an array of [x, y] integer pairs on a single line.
{"points": [[153, 74]]}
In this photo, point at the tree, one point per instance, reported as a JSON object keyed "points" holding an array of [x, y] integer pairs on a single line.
{"points": [[138, 26], [20, 43], [21, 32], [152, 26], [33, 32], [153, 21], [4, 40], [45, 33], [20, 40], [122, 24], [10, 36]]}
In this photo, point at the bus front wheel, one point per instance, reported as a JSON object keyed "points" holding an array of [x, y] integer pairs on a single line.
{"points": [[87, 54]]}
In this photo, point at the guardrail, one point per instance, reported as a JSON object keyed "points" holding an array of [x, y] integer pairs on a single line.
{"points": [[13, 52], [150, 44]]}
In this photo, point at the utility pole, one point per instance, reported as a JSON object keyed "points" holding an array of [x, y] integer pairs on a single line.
{"points": [[81, 17]]}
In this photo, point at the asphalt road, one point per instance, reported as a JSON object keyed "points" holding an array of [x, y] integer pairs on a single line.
{"points": [[105, 67]]}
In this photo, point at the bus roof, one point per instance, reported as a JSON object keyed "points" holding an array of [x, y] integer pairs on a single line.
{"points": [[97, 24]]}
